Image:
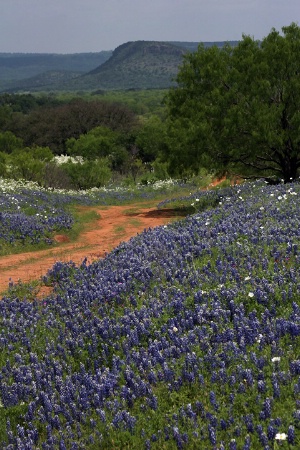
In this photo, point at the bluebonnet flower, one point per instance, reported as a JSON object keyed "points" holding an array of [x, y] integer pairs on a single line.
{"points": [[213, 401], [223, 424], [295, 367], [233, 445], [271, 432], [212, 434], [291, 434], [247, 444]]}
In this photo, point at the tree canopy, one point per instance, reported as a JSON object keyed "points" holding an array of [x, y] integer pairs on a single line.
{"points": [[238, 108], [53, 126]]}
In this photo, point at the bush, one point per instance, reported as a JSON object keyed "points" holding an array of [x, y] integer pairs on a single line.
{"points": [[88, 174]]}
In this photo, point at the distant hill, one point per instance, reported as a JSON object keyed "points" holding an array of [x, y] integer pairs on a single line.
{"points": [[41, 82], [22, 66], [132, 65], [138, 65]]}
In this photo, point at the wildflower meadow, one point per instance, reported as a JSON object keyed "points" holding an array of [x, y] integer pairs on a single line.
{"points": [[185, 337]]}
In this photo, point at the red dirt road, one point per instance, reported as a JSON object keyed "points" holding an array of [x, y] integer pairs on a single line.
{"points": [[116, 224]]}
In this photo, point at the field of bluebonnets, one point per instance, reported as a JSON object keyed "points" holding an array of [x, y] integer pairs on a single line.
{"points": [[185, 337]]}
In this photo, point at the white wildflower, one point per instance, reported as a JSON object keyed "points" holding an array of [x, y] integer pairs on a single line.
{"points": [[281, 436], [259, 338], [275, 359]]}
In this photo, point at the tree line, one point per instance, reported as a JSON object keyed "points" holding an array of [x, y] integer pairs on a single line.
{"points": [[108, 136], [235, 110]]}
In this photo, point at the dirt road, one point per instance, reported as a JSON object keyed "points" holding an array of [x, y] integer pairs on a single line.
{"points": [[116, 224]]}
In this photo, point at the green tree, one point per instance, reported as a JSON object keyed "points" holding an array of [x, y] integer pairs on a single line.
{"points": [[9, 142], [5, 115], [89, 174], [53, 126], [238, 108], [3, 164], [29, 163], [97, 143], [151, 138]]}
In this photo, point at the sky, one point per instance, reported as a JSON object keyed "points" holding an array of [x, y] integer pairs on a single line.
{"points": [[79, 26]]}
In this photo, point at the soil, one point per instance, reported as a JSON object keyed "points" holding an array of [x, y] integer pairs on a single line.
{"points": [[116, 224]]}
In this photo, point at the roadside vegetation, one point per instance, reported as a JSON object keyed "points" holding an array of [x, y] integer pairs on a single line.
{"points": [[30, 215]]}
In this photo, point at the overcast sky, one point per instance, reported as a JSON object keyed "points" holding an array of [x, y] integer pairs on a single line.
{"points": [[76, 26]]}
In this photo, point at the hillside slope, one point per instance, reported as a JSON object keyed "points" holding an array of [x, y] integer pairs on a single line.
{"points": [[132, 65], [139, 64]]}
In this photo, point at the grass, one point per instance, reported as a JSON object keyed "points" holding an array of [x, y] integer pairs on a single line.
{"points": [[135, 210], [119, 229], [84, 220], [27, 291], [7, 249], [134, 222]]}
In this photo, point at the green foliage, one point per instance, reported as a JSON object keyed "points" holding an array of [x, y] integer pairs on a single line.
{"points": [[160, 169], [52, 126], [5, 115], [24, 290], [89, 174], [238, 108], [9, 142], [3, 164], [119, 159], [97, 143], [29, 163], [83, 125], [143, 102], [151, 138]]}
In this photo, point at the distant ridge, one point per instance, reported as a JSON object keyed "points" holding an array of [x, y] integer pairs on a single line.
{"points": [[138, 65], [132, 65], [16, 67], [25, 65]]}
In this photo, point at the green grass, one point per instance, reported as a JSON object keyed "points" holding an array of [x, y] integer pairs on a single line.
{"points": [[83, 220], [119, 229], [27, 291], [134, 222]]}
